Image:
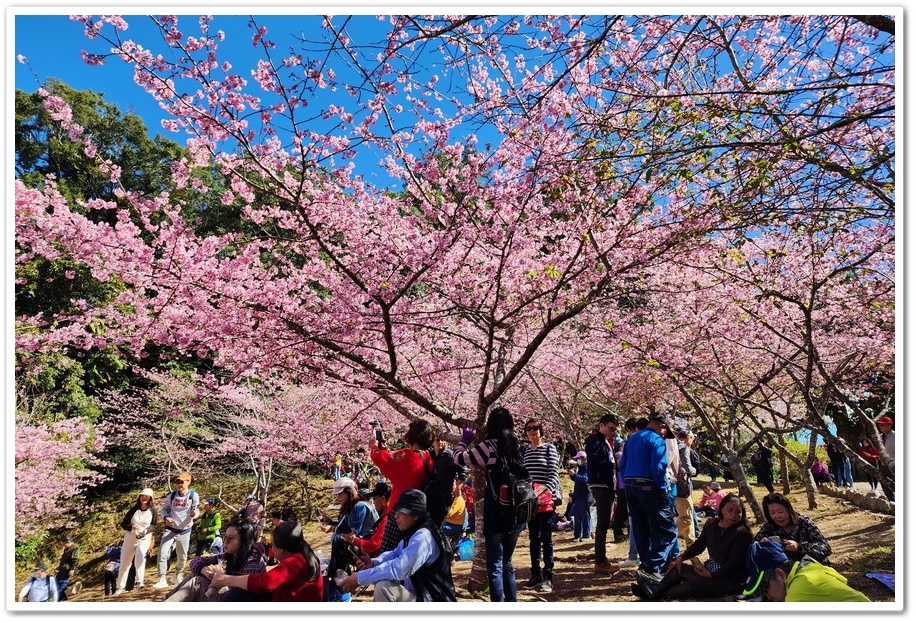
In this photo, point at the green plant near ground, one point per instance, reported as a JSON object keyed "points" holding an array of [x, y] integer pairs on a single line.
{"points": [[875, 558]]}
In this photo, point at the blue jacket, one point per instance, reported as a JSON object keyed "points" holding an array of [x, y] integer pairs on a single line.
{"points": [[645, 456], [581, 491]]}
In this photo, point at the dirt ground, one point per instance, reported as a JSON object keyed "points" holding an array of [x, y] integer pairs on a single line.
{"points": [[862, 542]]}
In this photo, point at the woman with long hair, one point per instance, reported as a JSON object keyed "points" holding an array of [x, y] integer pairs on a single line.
{"points": [[406, 468], [500, 536], [357, 516], [798, 533], [725, 539], [296, 578], [139, 523], [240, 556]]}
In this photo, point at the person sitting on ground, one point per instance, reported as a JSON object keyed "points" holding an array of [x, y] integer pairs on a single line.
{"points": [[296, 578], [241, 556], [726, 539], [418, 569], [778, 578], [712, 498], [456, 519], [798, 533], [819, 473], [356, 515], [372, 544]]}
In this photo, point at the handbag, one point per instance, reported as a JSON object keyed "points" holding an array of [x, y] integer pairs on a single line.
{"points": [[544, 497]]}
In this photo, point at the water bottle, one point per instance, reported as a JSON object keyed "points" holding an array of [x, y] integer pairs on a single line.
{"points": [[504, 493]]}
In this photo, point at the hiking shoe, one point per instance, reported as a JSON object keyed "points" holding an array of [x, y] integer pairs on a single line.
{"points": [[75, 588], [140, 585], [118, 592], [606, 567], [546, 586], [179, 578], [162, 583], [619, 538], [629, 564], [534, 582]]}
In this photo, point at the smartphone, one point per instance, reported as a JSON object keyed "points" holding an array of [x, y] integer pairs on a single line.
{"points": [[378, 436]]}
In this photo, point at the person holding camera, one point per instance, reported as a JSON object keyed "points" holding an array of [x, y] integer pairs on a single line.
{"points": [[403, 469], [581, 497]]}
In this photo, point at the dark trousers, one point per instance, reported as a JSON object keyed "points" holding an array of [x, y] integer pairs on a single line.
{"points": [[621, 514], [203, 545], [540, 534], [888, 489], [63, 580], [604, 500], [654, 526], [110, 581]]}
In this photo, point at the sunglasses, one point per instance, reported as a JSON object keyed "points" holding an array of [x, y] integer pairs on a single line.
{"points": [[528, 429]]}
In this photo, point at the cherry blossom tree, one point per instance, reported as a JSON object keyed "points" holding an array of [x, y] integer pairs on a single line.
{"points": [[541, 167]]}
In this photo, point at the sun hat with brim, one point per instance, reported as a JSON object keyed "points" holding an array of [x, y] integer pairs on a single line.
{"points": [[761, 557], [148, 492], [715, 486], [342, 484]]}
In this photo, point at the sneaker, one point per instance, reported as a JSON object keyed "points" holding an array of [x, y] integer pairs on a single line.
{"points": [[534, 582], [546, 586], [179, 579], [162, 583], [75, 588], [629, 564], [606, 567], [140, 585], [118, 592]]}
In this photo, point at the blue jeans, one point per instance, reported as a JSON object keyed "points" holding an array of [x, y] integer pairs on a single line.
{"points": [[500, 572], [582, 519], [654, 526], [63, 580]]}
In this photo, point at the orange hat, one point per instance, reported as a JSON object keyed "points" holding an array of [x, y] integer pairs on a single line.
{"points": [[184, 476]]}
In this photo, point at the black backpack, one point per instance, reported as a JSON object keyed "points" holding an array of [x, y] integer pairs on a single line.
{"points": [[517, 501], [437, 503]]}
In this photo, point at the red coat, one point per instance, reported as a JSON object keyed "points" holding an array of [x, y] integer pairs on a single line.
{"points": [[287, 582], [404, 469]]}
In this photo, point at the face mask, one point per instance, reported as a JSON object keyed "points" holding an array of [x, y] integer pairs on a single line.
{"points": [[36, 575]]}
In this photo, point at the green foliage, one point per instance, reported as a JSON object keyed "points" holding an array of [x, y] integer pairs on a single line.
{"points": [[871, 559], [28, 552]]}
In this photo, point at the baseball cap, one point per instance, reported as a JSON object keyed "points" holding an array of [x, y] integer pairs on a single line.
{"points": [[761, 557], [715, 486], [660, 417], [183, 476], [210, 501], [581, 455], [41, 565], [411, 502], [884, 420], [381, 489], [147, 492]]}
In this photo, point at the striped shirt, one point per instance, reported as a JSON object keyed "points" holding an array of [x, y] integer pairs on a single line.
{"points": [[543, 463]]}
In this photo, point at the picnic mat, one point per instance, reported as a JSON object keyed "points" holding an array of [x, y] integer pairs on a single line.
{"points": [[884, 578]]}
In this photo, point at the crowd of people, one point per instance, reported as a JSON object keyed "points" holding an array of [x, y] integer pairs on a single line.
{"points": [[397, 539]]}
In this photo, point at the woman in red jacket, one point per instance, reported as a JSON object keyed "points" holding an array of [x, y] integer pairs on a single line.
{"points": [[404, 469], [296, 578]]}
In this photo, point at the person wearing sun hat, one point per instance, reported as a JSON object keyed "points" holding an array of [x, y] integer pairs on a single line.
{"points": [[139, 524], [888, 438], [777, 578]]}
